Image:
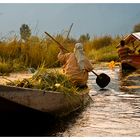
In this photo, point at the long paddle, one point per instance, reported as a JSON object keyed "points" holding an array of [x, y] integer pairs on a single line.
{"points": [[102, 79], [61, 47]]}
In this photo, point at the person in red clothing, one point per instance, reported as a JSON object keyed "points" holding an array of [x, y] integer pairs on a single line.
{"points": [[75, 65], [124, 51]]}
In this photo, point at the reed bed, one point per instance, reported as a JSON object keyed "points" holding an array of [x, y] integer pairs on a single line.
{"points": [[17, 55]]}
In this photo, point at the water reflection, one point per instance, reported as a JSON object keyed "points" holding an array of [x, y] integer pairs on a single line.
{"points": [[130, 83], [114, 111]]}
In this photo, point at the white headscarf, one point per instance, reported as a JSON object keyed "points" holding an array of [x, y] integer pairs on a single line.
{"points": [[79, 54]]}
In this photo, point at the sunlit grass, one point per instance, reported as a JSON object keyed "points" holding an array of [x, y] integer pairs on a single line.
{"points": [[105, 54], [37, 51]]}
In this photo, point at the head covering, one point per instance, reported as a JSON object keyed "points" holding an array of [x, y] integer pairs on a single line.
{"points": [[79, 54]]}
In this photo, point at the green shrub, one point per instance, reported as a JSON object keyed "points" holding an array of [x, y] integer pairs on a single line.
{"points": [[108, 53], [100, 42]]}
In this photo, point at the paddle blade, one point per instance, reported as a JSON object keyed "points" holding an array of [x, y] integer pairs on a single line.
{"points": [[102, 80]]}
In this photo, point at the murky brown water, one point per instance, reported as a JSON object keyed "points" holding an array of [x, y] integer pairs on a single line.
{"points": [[114, 111]]}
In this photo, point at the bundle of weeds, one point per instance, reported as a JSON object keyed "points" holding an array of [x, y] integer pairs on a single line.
{"points": [[46, 80], [105, 54]]}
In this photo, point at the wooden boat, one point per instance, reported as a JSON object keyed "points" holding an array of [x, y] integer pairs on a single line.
{"points": [[33, 112], [132, 62], [17, 99]]}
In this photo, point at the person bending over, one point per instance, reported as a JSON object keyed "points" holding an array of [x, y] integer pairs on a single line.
{"points": [[75, 65]]}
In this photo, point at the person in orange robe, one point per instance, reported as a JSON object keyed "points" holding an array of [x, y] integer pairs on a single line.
{"points": [[76, 65]]}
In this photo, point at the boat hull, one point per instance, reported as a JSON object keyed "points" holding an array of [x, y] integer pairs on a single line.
{"points": [[16, 99], [32, 112], [131, 64]]}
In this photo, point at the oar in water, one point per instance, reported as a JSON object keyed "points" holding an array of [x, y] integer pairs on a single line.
{"points": [[102, 79]]}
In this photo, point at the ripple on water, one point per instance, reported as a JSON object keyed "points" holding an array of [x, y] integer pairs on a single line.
{"points": [[114, 111]]}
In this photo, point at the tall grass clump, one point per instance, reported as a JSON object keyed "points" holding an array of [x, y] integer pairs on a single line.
{"points": [[100, 42], [105, 54], [106, 50]]}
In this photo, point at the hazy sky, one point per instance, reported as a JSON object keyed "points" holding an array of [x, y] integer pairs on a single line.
{"points": [[93, 18]]}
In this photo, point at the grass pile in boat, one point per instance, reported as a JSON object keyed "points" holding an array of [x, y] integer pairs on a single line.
{"points": [[46, 80]]}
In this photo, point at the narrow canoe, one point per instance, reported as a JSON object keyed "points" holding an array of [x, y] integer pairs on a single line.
{"points": [[17, 99]]}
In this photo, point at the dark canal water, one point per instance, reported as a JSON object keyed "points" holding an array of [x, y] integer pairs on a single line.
{"points": [[113, 111]]}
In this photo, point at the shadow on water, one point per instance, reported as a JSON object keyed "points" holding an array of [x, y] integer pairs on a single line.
{"points": [[25, 124], [130, 82], [35, 123], [64, 123]]}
